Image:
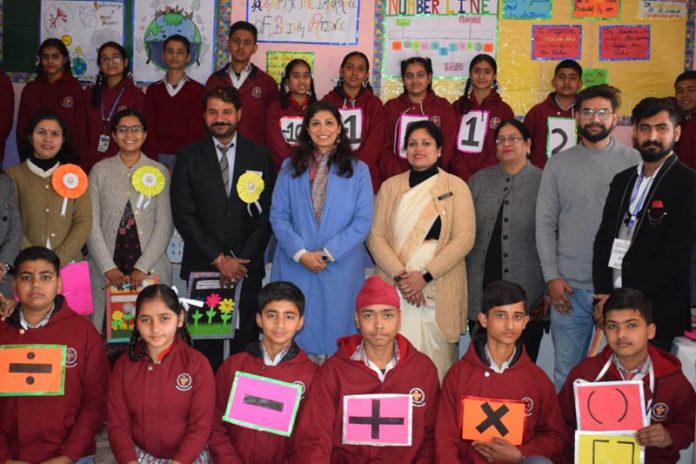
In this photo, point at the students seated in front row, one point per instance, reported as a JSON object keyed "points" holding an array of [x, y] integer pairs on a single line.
{"points": [[277, 356], [628, 327], [378, 361], [496, 367], [56, 429]]}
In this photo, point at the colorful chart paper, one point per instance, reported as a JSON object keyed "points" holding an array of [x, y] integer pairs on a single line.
{"points": [[624, 43], [603, 448], [261, 403], [120, 311], [77, 287], [32, 370], [484, 419], [597, 9], [658, 9], [276, 61], [217, 319], [527, 9], [557, 42], [610, 406], [594, 76], [377, 420]]}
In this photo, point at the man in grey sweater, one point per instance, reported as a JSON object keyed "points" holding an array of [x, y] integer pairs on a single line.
{"points": [[571, 198]]}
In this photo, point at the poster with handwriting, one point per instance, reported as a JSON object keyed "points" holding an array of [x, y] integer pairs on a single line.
{"points": [[624, 43], [594, 76], [651, 9], [276, 61], [527, 9], [556, 42], [328, 23], [596, 9]]}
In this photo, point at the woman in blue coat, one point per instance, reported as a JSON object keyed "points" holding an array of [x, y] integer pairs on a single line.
{"points": [[321, 214]]}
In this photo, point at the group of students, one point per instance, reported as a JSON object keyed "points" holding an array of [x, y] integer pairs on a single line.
{"points": [[162, 403]]}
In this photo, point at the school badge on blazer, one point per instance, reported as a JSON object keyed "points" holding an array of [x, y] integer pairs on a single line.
{"points": [[184, 382]]}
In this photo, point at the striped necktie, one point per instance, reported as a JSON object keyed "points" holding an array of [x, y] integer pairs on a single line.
{"points": [[225, 167]]}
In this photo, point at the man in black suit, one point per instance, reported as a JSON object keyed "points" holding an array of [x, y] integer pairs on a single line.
{"points": [[649, 223], [222, 230]]}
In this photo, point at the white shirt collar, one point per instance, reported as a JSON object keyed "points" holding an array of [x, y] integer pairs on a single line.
{"points": [[26, 326], [494, 366], [239, 81], [171, 90], [361, 355], [268, 361]]}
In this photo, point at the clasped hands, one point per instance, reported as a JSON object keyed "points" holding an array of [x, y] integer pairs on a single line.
{"points": [[231, 269], [411, 285]]}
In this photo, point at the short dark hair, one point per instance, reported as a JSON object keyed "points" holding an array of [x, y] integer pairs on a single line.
{"points": [[429, 126], [605, 91], [629, 298], [281, 291], [128, 112], [568, 64], [524, 132], [226, 93], [502, 293], [244, 26], [650, 106], [178, 38], [35, 253], [686, 76]]}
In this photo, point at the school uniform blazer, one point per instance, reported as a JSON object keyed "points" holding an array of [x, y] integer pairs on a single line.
{"points": [[10, 223], [657, 262]]}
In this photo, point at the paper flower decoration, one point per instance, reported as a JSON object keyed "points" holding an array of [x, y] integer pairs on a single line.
{"points": [[227, 305], [148, 181], [212, 300], [70, 182], [249, 187]]}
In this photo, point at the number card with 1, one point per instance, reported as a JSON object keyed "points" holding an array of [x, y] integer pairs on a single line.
{"points": [[562, 134], [472, 132], [290, 127], [404, 122], [353, 124], [484, 419], [261, 403], [605, 447], [32, 370], [377, 420]]}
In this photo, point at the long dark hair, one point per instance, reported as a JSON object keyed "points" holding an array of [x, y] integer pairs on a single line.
{"points": [[164, 293], [366, 83], [58, 45], [284, 96], [466, 105], [343, 155], [425, 62], [101, 79], [65, 154]]}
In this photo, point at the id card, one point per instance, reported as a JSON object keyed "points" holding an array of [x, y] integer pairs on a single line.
{"points": [[104, 141], [618, 251]]}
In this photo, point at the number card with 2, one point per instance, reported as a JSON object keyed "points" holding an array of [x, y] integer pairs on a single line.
{"points": [[472, 132], [377, 420], [353, 125], [404, 122], [290, 127], [32, 370], [484, 419], [562, 134]]}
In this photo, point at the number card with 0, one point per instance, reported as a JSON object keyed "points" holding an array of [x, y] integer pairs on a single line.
{"points": [[404, 122], [563, 134], [472, 132], [353, 125], [290, 127]]}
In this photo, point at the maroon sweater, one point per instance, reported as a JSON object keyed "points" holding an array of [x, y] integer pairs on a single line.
{"points": [[37, 428], [6, 111], [544, 431], [165, 409], [673, 401], [437, 109], [275, 140], [229, 443], [65, 97], [174, 122], [686, 147], [258, 91], [466, 165], [372, 137], [319, 435], [536, 121]]}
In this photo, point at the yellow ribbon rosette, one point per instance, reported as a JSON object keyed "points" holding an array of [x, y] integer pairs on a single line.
{"points": [[249, 188], [148, 181]]}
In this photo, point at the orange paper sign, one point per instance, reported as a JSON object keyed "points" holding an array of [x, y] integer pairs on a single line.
{"points": [[32, 370], [483, 419]]}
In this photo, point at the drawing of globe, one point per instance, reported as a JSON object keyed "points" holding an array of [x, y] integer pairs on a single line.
{"points": [[165, 25], [79, 65]]}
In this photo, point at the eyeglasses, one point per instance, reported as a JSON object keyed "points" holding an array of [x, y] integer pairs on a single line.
{"points": [[112, 59], [589, 113], [513, 139], [123, 130]]}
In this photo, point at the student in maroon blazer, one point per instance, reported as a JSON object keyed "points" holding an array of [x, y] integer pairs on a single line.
{"points": [[56, 429], [162, 393], [256, 88], [54, 89], [6, 111]]}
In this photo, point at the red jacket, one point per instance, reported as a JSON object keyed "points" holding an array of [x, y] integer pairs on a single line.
{"points": [[686, 147], [37, 428], [258, 91], [544, 430], [372, 137], [673, 403], [174, 122], [466, 164], [275, 140], [6, 111], [65, 97], [165, 409], [132, 97], [437, 109], [536, 121], [229, 443], [319, 436]]}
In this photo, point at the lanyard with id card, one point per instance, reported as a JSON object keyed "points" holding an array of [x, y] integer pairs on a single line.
{"points": [[105, 139]]}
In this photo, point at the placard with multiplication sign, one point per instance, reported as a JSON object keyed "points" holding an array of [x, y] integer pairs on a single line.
{"points": [[472, 132], [404, 122], [290, 127], [353, 125], [562, 134]]}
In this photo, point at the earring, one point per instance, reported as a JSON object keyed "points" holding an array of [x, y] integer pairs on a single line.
{"points": [[365, 83]]}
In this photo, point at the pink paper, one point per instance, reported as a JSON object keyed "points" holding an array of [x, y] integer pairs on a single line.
{"points": [[378, 420], [77, 287], [610, 406], [263, 404]]}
